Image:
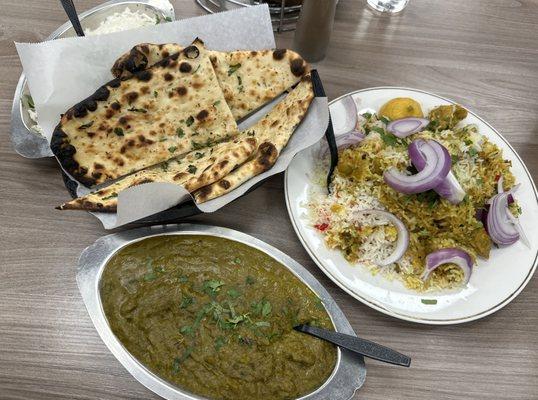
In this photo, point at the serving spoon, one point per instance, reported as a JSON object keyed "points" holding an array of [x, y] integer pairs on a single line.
{"points": [[357, 345], [71, 12]]}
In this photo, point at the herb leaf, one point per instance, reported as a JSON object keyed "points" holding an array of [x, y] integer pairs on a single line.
{"points": [[186, 301], [110, 197], [189, 121], [118, 131], [212, 286], [233, 68], [192, 169], [180, 132], [171, 149], [87, 125], [428, 301]]}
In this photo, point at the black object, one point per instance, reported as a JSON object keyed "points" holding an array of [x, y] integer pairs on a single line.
{"points": [[189, 209], [71, 12], [357, 345], [329, 133]]}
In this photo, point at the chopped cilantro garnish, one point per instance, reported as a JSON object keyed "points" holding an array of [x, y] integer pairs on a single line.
{"points": [[150, 276], [385, 120], [157, 20], [118, 131], [155, 93], [472, 151], [262, 324], [388, 138], [428, 301], [189, 121], [367, 115], [250, 280], [198, 154], [196, 146], [233, 68], [216, 103], [192, 169], [212, 286], [168, 19], [186, 301], [187, 330], [87, 125], [110, 197], [171, 149], [180, 132], [164, 166], [233, 293], [219, 342]]}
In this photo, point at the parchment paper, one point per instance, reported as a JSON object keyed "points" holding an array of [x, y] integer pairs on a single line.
{"points": [[62, 72]]}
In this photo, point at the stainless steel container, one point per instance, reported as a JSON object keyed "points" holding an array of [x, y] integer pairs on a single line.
{"points": [[348, 375], [31, 144]]}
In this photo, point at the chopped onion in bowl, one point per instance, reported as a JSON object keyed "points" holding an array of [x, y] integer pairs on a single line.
{"points": [[407, 126], [450, 255], [450, 188], [403, 236], [437, 167]]}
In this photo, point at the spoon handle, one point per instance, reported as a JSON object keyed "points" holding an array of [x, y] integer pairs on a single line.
{"points": [[71, 12], [360, 346]]}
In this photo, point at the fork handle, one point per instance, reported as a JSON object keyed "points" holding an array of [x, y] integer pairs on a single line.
{"points": [[71, 12]]}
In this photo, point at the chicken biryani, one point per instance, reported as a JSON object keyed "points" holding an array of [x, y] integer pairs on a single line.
{"points": [[416, 197]]}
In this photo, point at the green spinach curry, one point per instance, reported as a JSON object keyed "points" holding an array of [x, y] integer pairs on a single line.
{"points": [[215, 317]]}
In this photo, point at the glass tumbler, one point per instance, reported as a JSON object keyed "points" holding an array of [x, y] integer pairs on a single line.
{"points": [[388, 6]]}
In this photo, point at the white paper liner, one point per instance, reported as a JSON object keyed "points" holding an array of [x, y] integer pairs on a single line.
{"points": [[62, 72]]}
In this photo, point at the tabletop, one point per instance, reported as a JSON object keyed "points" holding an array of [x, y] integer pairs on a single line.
{"points": [[482, 53]]}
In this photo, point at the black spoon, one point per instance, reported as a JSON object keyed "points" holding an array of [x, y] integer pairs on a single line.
{"points": [[357, 345], [71, 12]]}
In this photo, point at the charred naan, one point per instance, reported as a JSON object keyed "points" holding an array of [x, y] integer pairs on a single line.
{"points": [[249, 79], [131, 123], [196, 169], [273, 133]]}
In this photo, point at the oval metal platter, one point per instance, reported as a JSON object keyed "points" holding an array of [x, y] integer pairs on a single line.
{"points": [[349, 373]]}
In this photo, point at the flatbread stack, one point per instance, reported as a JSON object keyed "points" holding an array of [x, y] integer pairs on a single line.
{"points": [[128, 124], [170, 116], [248, 79]]}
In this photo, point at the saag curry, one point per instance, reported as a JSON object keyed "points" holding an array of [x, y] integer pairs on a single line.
{"points": [[215, 317]]}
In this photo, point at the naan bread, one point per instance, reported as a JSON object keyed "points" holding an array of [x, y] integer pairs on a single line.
{"points": [[128, 124], [197, 169], [273, 133], [249, 79]]}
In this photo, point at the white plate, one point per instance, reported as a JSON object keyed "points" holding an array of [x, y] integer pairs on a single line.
{"points": [[494, 283]]}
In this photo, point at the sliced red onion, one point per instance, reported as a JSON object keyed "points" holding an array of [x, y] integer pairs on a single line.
{"points": [[500, 227], [344, 141], [350, 108], [518, 227], [450, 188], [450, 255], [403, 236], [407, 126], [437, 167]]}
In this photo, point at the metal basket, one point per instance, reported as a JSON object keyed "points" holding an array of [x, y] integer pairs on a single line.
{"points": [[283, 17]]}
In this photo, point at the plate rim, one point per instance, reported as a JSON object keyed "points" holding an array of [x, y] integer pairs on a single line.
{"points": [[380, 307]]}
